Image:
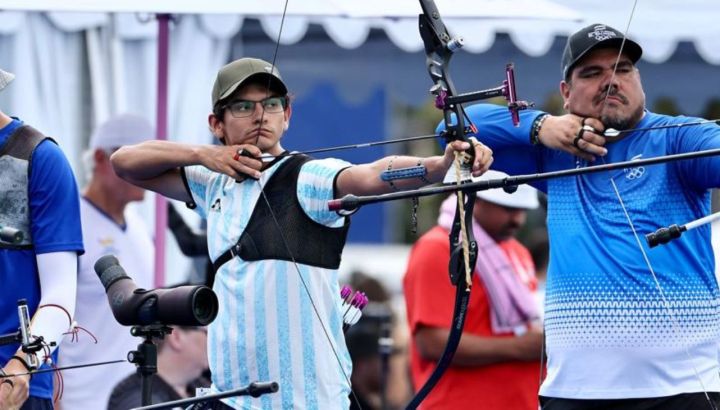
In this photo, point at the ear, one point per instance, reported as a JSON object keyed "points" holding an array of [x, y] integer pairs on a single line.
{"points": [[99, 156], [565, 92], [288, 114], [217, 127], [173, 340], [101, 159]]}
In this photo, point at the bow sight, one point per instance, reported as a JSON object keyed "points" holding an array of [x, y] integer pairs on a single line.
{"points": [[29, 344]]}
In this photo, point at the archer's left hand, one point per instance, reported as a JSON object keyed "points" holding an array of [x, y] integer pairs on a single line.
{"points": [[483, 155]]}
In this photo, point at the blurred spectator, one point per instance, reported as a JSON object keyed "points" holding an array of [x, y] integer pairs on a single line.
{"points": [[497, 363], [380, 377], [540, 251], [182, 358], [108, 227], [192, 244], [539, 248], [373, 289], [370, 368]]}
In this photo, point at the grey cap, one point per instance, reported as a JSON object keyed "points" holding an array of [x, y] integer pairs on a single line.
{"points": [[592, 37], [5, 78], [234, 74]]}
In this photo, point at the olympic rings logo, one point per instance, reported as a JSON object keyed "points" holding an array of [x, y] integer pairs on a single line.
{"points": [[634, 173]]}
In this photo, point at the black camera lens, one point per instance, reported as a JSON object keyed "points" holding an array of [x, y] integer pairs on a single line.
{"points": [[205, 305]]}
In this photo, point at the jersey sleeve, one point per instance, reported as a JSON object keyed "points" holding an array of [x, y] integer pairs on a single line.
{"points": [[702, 173], [54, 202], [316, 186]]}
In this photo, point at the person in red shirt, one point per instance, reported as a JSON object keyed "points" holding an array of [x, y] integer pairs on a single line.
{"points": [[497, 364]]}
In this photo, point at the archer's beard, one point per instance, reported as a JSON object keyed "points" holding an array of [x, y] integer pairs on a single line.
{"points": [[619, 121]]}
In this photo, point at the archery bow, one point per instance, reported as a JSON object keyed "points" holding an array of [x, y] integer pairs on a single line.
{"points": [[439, 49]]}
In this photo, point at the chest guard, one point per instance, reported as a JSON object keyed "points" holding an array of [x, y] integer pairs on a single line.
{"points": [[310, 243], [15, 168]]}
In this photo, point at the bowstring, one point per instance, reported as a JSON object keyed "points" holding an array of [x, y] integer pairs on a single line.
{"points": [[617, 60], [666, 303], [280, 230]]}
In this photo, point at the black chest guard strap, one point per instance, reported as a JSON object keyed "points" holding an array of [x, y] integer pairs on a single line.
{"points": [[15, 169], [310, 243]]}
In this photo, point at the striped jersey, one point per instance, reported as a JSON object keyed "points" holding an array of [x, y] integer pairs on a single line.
{"points": [[613, 329], [268, 326]]}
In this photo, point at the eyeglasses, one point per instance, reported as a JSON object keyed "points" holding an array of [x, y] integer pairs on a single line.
{"points": [[245, 108]]}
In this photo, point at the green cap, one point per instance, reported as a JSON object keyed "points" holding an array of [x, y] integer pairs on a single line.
{"points": [[234, 74]]}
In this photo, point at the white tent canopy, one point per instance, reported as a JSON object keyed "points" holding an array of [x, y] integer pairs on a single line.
{"points": [[530, 9], [532, 24]]}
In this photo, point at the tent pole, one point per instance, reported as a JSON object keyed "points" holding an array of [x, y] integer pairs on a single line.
{"points": [[161, 127]]}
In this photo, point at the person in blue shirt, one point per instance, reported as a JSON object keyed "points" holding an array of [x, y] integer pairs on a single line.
{"points": [[626, 326], [39, 198]]}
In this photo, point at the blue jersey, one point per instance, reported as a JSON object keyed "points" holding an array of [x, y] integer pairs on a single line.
{"points": [[612, 331], [55, 227], [267, 326]]}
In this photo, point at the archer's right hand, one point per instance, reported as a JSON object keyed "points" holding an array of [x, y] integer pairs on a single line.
{"points": [[236, 161], [566, 133]]}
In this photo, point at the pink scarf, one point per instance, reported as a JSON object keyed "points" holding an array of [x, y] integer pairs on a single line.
{"points": [[512, 304]]}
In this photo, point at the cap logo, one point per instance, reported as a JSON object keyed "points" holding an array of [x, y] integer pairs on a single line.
{"points": [[601, 33], [268, 69]]}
